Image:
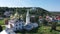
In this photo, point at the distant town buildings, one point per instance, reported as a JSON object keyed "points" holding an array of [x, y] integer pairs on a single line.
{"points": [[8, 13]]}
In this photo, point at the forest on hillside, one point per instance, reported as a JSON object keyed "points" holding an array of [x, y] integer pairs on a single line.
{"points": [[22, 10]]}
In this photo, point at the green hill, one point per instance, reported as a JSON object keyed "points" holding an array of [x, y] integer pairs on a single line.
{"points": [[55, 13], [22, 10]]}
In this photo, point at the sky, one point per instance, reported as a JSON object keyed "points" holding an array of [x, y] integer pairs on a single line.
{"points": [[50, 5]]}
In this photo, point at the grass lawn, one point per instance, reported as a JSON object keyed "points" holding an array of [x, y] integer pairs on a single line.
{"points": [[1, 22]]}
